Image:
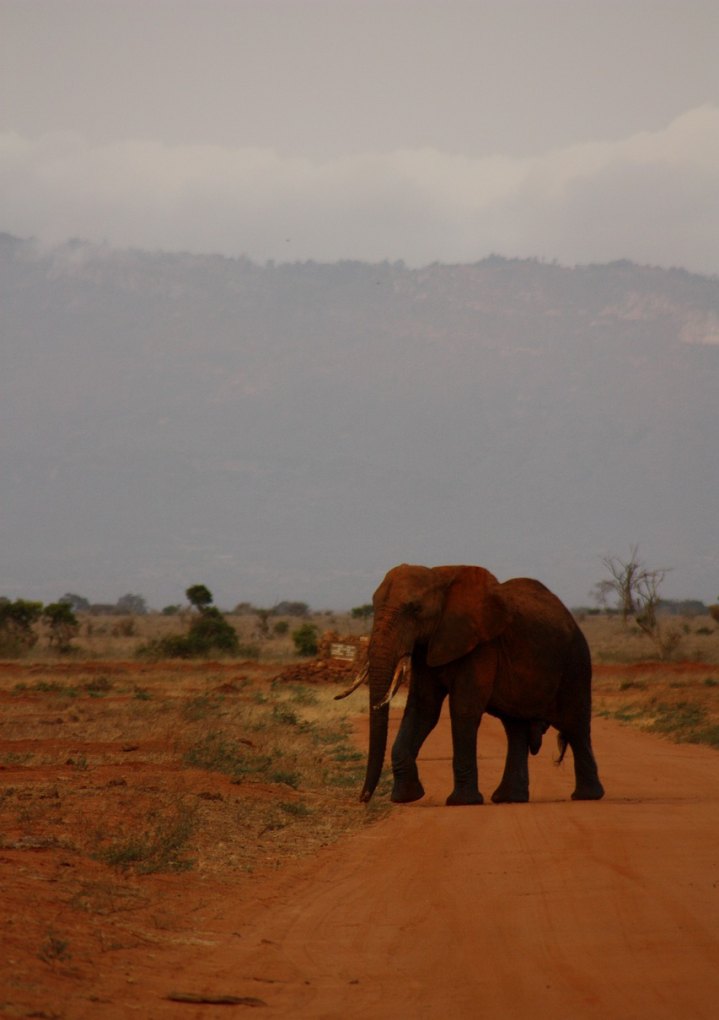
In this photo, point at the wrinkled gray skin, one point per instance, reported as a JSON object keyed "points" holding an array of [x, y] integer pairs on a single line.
{"points": [[510, 649]]}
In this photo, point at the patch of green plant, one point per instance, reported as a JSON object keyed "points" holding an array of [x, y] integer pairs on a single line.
{"points": [[54, 949], [14, 758], [142, 694], [159, 849], [297, 808], [344, 777], [711, 681], [680, 716], [629, 713], [300, 695], [285, 778], [628, 685], [686, 722], [335, 733], [285, 716], [46, 687], [217, 752], [98, 687], [348, 754], [248, 650], [202, 706]]}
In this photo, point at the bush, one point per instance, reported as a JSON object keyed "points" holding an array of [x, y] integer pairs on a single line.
{"points": [[305, 639], [209, 633], [62, 625], [212, 631], [16, 625]]}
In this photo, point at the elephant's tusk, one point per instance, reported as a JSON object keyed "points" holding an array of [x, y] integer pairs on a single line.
{"points": [[361, 678], [403, 668]]}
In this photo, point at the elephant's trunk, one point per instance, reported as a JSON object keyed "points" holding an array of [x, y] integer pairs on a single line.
{"points": [[378, 719], [385, 676]]}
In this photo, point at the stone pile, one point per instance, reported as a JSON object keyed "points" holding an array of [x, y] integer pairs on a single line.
{"points": [[339, 660]]}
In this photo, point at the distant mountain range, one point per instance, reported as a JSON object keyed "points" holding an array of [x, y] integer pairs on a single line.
{"points": [[291, 431]]}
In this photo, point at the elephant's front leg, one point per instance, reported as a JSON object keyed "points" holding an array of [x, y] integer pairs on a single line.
{"points": [[466, 716], [424, 704], [514, 786]]}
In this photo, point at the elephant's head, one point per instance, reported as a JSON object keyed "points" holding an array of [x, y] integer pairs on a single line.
{"points": [[446, 612]]}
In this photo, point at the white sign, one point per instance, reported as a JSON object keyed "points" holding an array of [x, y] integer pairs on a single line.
{"points": [[338, 651]]}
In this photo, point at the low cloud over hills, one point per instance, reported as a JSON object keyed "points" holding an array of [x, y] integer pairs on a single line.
{"points": [[291, 431]]}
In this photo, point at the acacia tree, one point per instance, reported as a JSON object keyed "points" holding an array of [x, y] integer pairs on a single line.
{"points": [[199, 596]]}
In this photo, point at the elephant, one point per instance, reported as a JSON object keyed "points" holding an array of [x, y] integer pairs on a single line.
{"points": [[511, 649]]}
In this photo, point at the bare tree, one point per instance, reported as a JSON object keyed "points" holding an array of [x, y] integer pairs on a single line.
{"points": [[636, 590]]}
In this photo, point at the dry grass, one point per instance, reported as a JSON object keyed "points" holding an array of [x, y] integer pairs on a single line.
{"points": [[695, 638], [677, 700], [121, 637], [174, 765]]}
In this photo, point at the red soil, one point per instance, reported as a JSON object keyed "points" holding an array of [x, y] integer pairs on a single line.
{"points": [[546, 909]]}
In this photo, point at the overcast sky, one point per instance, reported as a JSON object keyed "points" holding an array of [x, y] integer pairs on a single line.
{"points": [[583, 130]]}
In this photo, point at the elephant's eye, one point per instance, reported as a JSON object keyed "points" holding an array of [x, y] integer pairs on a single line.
{"points": [[415, 608]]}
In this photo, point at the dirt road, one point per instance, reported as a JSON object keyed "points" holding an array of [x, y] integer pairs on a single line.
{"points": [[549, 909]]}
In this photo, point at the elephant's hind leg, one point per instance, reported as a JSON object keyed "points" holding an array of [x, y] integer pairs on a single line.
{"points": [[514, 786], [588, 785]]}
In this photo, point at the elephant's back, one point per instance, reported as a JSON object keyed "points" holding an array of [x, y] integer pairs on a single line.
{"points": [[537, 606]]}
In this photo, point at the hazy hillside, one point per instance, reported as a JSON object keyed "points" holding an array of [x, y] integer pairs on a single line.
{"points": [[291, 431]]}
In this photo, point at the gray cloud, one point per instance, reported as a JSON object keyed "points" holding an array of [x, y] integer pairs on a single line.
{"points": [[650, 197]]}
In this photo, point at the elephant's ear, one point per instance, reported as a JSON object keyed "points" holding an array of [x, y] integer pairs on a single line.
{"points": [[474, 612]]}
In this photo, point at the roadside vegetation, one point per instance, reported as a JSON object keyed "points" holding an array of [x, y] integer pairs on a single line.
{"points": [[676, 700], [192, 766]]}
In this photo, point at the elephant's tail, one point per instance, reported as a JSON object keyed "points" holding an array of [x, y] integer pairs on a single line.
{"points": [[562, 745]]}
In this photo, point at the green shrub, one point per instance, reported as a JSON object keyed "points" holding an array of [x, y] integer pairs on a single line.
{"points": [[16, 625], [211, 631], [305, 639], [62, 625], [209, 634]]}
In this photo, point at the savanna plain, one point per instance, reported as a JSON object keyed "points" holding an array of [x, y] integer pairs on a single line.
{"points": [[183, 838]]}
